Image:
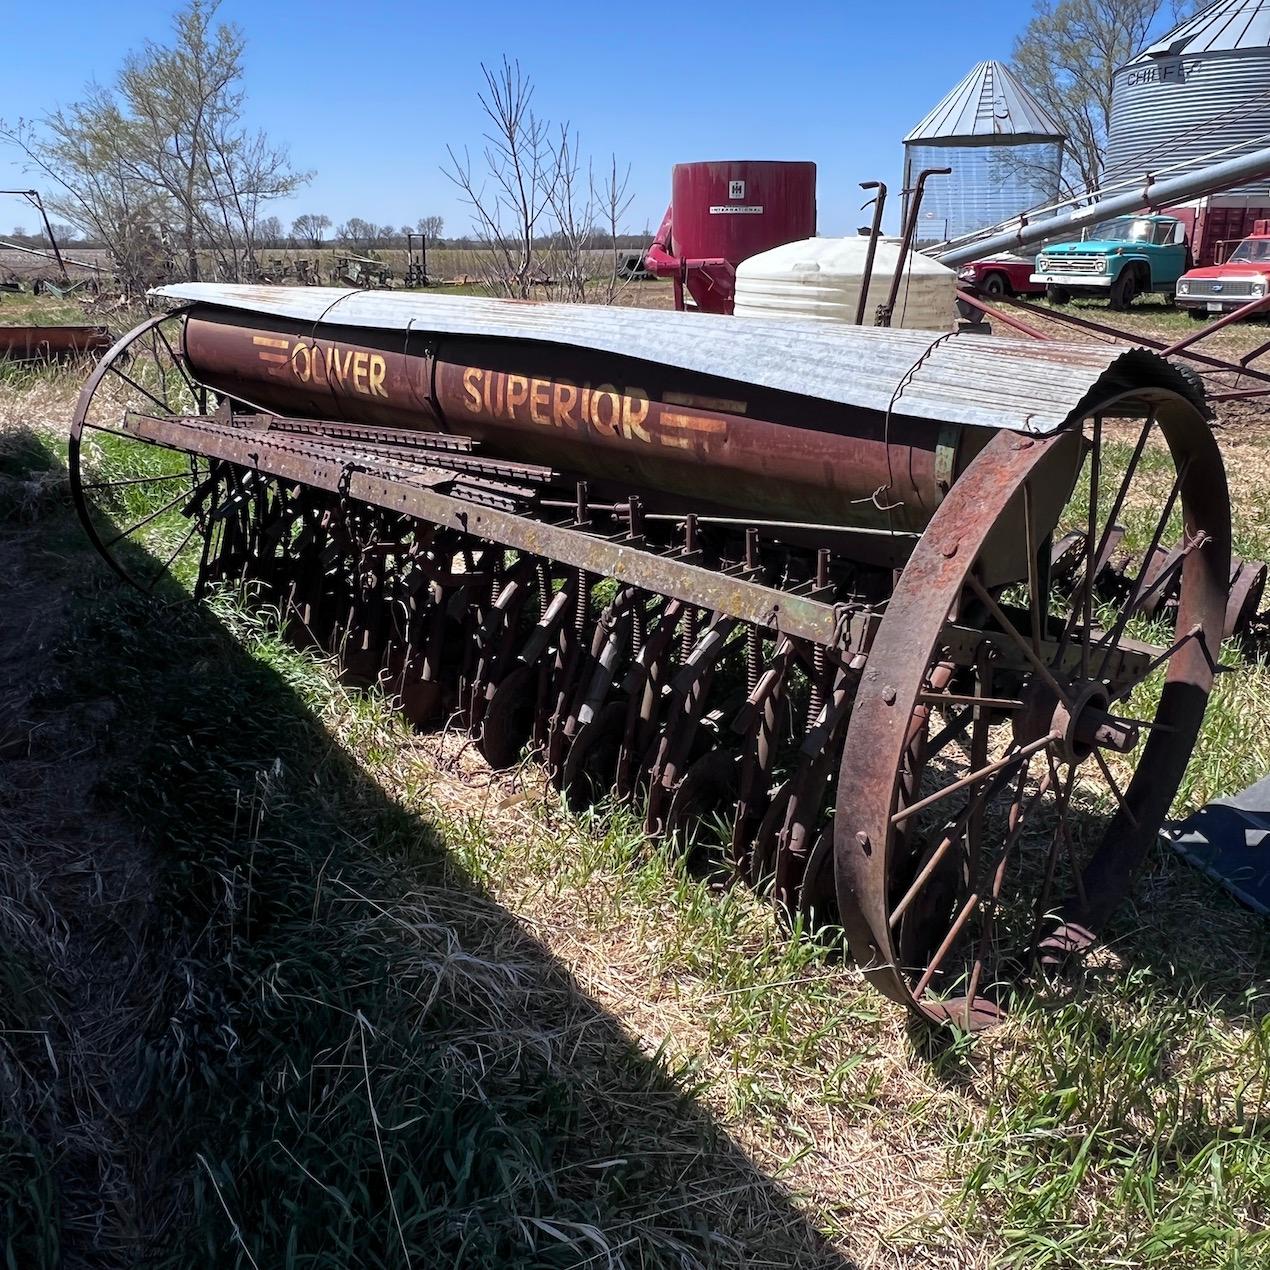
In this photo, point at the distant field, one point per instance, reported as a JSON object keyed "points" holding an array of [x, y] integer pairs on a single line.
{"points": [[445, 264]]}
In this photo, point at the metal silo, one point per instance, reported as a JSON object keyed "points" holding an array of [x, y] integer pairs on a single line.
{"points": [[1200, 90], [1004, 148]]}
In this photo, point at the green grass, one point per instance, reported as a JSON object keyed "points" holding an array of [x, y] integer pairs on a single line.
{"points": [[21, 308], [403, 1013]]}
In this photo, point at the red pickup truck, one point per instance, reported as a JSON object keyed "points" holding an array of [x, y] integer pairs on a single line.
{"points": [[992, 279], [1242, 277]]}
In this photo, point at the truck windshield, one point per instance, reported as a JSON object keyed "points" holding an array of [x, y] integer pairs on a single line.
{"points": [[1252, 251], [1130, 229]]}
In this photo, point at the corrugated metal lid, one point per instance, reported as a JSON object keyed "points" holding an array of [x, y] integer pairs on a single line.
{"points": [[1222, 27], [1019, 385], [989, 102]]}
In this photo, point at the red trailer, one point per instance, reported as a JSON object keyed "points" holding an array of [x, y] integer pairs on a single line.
{"points": [[1215, 227]]}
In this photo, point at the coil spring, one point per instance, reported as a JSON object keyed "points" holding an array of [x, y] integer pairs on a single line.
{"points": [[544, 588], [688, 637], [582, 602]]}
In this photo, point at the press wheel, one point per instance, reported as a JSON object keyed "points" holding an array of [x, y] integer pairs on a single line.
{"points": [[145, 507], [974, 842]]}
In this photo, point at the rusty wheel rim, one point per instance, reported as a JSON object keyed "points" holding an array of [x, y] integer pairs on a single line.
{"points": [[144, 508], [957, 880]]}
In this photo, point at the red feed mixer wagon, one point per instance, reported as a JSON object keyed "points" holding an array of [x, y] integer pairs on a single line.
{"points": [[723, 213]]}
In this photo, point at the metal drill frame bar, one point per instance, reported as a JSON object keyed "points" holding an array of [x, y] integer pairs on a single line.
{"points": [[416, 495], [1181, 348], [416, 491]]}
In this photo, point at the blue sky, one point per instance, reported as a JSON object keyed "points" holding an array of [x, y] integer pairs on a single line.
{"points": [[367, 95]]}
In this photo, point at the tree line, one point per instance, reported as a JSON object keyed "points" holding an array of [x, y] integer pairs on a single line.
{"points": [[309, 231]]}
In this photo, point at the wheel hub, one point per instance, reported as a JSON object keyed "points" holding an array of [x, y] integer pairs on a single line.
{"points": [[1080, 721]]}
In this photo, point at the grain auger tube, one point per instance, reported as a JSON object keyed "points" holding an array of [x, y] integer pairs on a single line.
{"points": [[786, 588]]}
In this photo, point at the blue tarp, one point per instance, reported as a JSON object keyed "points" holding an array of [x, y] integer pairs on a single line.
{"points": [[1229, 839]]}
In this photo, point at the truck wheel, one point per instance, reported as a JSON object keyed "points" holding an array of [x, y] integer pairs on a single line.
{"points": [[1123, 290], [1058, 295], [995, 286]]}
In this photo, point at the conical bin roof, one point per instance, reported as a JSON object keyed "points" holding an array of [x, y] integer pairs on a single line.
{"points": [[990, 102], [1226, 26]]}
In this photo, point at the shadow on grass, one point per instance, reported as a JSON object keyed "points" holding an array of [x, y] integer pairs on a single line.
{"points": [[353, 1056], [1179, 939]]}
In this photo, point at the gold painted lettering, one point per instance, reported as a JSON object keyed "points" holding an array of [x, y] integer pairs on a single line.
{"points": [[517, 393], [606, 393], [359, 370], [539, 400], [302, 362], [564, 398], [471, 380], [378, 373], [634, 412]]}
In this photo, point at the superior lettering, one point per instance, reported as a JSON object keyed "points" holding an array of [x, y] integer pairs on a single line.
{"points": [[557, 403]]}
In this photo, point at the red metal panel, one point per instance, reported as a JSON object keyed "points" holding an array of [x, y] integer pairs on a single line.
{"points": [[723, 213], [733, 210], [33, 343], [1215, 231]]}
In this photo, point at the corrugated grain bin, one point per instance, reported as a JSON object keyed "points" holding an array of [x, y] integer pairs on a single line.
{"points": [[1202, 88]]}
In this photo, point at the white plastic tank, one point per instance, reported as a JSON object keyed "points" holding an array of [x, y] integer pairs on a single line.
{"points": [[820, 279]]}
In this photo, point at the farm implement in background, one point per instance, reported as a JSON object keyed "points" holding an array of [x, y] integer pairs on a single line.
{"points": [[829, 604], [50, 343]]}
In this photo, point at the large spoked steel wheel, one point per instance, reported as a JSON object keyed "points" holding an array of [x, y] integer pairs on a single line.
{"points": [[1017, 743], [143, 506]]}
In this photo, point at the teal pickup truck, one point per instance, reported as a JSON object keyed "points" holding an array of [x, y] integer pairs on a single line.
{"points": [[1120, 259]]}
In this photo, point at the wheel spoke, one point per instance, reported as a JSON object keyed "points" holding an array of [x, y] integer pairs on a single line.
{"points": [[154, 515], [135, 480], [952, 833], [1060, 835], [1087, 600], [1115, 788], [1010, 629], [177, 362], [963, 699], [1094, 555], [1010, 760], [1112, 639], [145, 392], [1168, 654], [949, 733], [999, 864], [167, 564]]}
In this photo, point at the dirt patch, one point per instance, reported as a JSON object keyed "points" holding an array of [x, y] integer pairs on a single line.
{"points": [[76, 920]]}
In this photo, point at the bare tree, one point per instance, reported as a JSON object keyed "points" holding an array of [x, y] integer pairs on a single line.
{"points": [[165, 147], [1067, 56], [431, 226], [612, 202], [309, 228], [269, 232], [82, 150], [357, 233], [520, 166], [535, 205]]}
